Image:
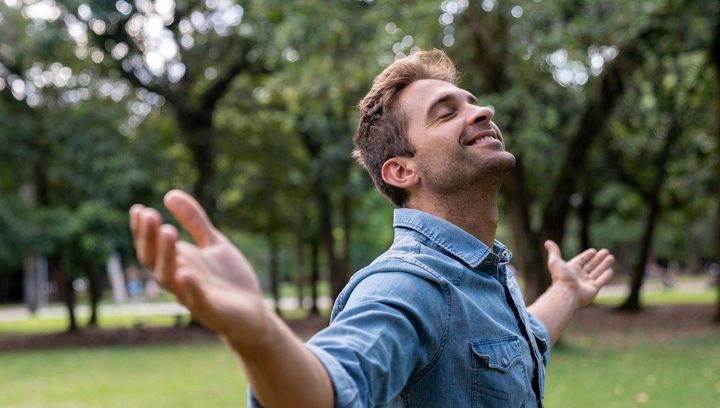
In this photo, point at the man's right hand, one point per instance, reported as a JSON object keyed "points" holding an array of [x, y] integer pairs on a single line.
{"points": [[211, 278]]}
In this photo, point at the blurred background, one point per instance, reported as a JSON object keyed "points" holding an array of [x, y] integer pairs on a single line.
{"points": [[612, 109]]}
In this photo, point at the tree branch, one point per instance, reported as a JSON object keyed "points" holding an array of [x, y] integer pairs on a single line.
{"points": [[487, 52], [215, 92], [592, 122]]}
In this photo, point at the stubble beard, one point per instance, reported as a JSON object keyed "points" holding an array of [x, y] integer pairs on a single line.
{"points": [[461, 175]]}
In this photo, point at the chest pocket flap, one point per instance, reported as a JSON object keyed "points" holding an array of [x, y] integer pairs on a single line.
{"points": [[499, 353]]}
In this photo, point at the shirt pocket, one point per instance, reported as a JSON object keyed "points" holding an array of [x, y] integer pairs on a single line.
{"points": [[499, 377]]}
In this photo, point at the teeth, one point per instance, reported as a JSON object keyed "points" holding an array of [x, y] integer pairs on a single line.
{"points": [[482, 139]]}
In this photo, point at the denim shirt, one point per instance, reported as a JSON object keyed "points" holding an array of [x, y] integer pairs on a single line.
{"points": [[436, 321]]}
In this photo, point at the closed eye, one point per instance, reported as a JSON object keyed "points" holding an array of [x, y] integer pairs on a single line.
{"points": [[446, 114]]}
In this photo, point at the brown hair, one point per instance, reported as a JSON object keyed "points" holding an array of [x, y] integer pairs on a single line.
{"points": [[382, 129]]}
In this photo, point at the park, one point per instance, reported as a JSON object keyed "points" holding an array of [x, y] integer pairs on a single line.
{"points": [[612, 110]]}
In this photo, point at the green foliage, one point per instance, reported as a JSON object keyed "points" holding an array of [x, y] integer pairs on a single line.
{"points": [[277, 131]]}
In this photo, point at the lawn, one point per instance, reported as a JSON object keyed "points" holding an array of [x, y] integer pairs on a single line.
{"points": [[49, 325], [595, 372], [152, 376], [665, 298], [592, 368], [584, 372]]}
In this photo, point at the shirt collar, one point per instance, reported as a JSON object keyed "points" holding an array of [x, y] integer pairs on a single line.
{"points": [[450, 237]]}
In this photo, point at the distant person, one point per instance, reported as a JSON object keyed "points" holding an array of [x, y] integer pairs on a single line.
{"points": [[669, 275], [134, 283], [437, 320]]}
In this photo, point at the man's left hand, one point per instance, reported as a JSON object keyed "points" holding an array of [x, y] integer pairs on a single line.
{"points": [[584, 274]]}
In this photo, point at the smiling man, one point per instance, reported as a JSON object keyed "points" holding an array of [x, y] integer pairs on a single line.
{"points": [[436, 321]]}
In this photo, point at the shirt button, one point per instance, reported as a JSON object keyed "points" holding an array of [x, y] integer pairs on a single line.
{"points": [[504, 362]]}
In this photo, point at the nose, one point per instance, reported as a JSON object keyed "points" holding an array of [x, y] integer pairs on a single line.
{"points": [[481, 115]]}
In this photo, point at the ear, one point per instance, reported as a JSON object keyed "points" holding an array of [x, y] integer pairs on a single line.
{"points": [[400, 172]]}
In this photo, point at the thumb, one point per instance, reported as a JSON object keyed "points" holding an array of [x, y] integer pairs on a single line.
{"points": [[192, 216], [553, 251]]}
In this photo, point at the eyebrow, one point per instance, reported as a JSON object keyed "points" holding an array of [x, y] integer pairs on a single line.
{"points": [[448, 97]]}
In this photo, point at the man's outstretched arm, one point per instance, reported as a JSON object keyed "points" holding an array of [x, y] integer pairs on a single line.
{"points": [[218, 285], [575, 283]]}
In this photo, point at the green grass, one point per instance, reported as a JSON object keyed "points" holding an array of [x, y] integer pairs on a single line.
{"points": [[289, 289], [49, 325], [665, 298], [672, 373], [151, 376], [584, 372]]}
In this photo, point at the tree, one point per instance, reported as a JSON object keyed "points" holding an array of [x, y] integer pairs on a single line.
{"points": [[559, 116], [715, 58], [669, 113]]}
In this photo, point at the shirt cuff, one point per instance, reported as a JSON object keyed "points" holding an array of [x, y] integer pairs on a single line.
{"points": [[346, 393]]}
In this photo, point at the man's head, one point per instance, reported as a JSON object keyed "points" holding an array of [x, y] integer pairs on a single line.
{"points": [[382, 128], [418, 130]]}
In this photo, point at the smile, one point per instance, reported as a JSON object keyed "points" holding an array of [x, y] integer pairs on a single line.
{"points": [[482, 137]]}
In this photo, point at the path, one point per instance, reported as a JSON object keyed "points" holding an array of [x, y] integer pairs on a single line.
{"points": [[56, 311]]}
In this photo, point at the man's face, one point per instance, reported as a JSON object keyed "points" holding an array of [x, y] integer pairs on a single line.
{"points": [[457, 143]]}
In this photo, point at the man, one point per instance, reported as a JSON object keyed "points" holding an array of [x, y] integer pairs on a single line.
{"points": [[436, 321]]}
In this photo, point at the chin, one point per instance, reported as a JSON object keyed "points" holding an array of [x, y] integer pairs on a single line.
{"points": [[503, 162]]}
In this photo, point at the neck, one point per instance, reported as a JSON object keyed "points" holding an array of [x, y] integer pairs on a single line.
{"points": [[473, 210]]}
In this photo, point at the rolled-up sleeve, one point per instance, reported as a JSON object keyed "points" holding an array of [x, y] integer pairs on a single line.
{"points": [[389, 328]]}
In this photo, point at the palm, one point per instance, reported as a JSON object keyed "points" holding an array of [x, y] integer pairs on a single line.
{"points": [[231, 298], [211, 278], [586, 273]]}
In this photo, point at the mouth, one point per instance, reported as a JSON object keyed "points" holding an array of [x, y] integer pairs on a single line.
{"points": [[487, 135]]}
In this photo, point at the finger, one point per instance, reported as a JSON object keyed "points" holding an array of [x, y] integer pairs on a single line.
{"points": [[188, 255], [192, 216], [553, 251], [165, 264], [605, 265], [190, 291], [134, 217], [147, 241], [596, 260], [604, 278], [583, 257], [135, 211]]}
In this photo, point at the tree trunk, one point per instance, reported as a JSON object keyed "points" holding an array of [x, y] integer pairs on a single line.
{"points": [[314, 277], [528, 253], [335, 271], [715, 55], [66, 291], [274, 274], [346, 212], [95, 289], [632, 303], [584, 215], [199, 137], [717, 226], [300, 272]]}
